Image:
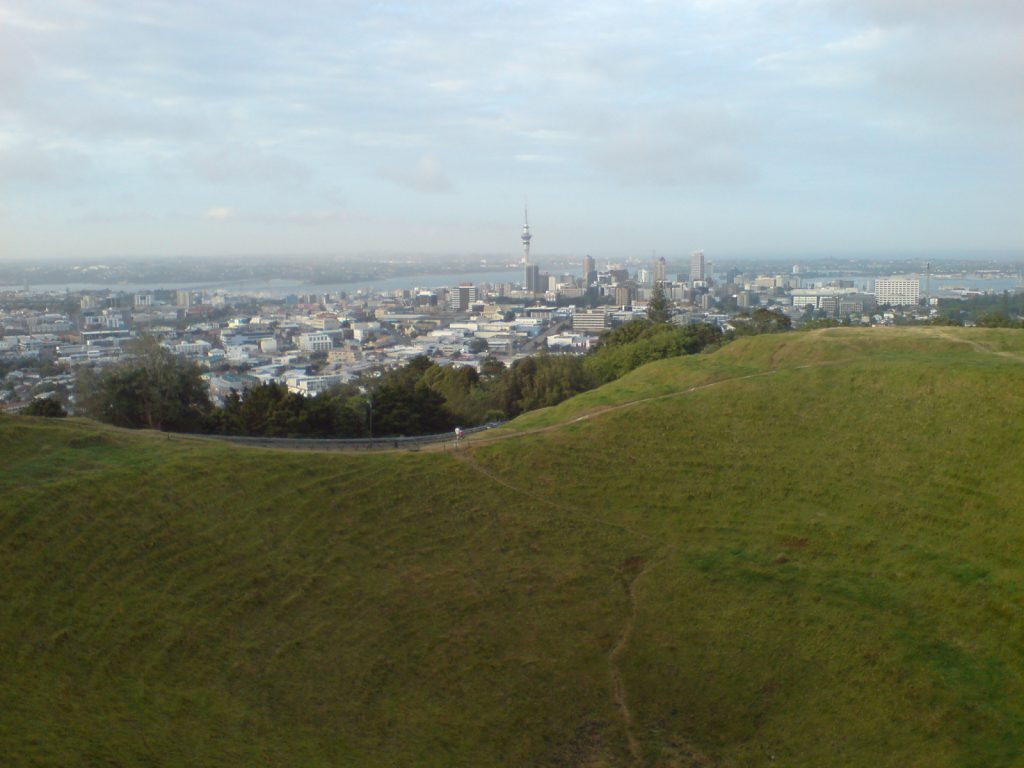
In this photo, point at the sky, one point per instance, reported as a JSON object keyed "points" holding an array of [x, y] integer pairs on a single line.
{"points": [[742, 127]]}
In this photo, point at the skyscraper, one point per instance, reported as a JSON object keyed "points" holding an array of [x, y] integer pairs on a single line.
{"points": [[697, 266], [462, 297], [659, 270], [589, 271], [532, 278]]}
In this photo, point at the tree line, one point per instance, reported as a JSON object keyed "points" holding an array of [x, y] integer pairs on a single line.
{"points": [[158, 390]]}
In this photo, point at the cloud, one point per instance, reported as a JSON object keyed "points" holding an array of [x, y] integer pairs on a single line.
{"points": [[19, 19], [426, 176], [962, 84], [220, 213], [236, 164], [39, 163], [683, 147], [450, 86], [527, 157], [172, 104], [941, 13], [950, 66], [303, 218]]}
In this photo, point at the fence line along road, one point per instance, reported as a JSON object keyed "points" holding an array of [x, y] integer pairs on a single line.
{"points": [[347, 444]]}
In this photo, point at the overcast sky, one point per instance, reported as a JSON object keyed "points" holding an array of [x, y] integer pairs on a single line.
{"points": [[736, 126]]}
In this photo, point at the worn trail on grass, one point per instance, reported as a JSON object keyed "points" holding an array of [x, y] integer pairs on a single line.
{"points": [[619, 693], [605, 409], [566, 512], [617, 685], [488, 439], [977, 346], [618, 688], [475, 440]]}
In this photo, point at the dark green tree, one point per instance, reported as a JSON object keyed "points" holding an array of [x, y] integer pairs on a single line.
{"points": [[404, 403], [540, 381], [477, 345], [461, 388], [400, 409], [763, 320], [153, 390], [45, 406], [997, 320], [641, 341], [270, 410], [658, 309], [491, 367]]}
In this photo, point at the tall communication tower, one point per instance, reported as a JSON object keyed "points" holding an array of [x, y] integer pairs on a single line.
{"points": [[526, 236], [928, 284]]}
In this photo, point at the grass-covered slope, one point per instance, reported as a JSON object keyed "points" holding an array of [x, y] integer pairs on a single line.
{"points": [[805, 549]]}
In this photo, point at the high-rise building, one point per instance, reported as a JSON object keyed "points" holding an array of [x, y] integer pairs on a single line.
{"points": [[897, 291], [660, 269], [697, 266], [589, 271], [532, 278], [593, 321], [462, 297], [619, 274]]}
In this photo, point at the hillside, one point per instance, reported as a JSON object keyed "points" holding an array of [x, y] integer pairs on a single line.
{"points": [[801, 550]]}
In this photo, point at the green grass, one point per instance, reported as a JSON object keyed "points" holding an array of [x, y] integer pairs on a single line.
{"points": [[824, 547]]}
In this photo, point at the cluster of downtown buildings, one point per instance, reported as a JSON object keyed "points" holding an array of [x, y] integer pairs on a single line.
{"points": [[312, 342]]}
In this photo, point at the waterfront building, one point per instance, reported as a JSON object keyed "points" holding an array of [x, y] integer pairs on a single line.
{"points": [[897, 291]]}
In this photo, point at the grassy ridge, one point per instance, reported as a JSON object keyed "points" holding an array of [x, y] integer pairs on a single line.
{"points": [[822, 548], [182, 605]]}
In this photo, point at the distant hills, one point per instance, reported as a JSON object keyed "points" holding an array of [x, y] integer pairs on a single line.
{"points": [[804, 549]]}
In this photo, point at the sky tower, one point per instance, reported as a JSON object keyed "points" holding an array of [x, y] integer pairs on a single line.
{"points": [[526, 237]]}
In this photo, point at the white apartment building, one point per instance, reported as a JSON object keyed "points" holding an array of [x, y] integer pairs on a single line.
{"points": [[804, 297], [324, 322], [315, 342], [590, 321], [897, 291], [312, 385], [190, 348]]}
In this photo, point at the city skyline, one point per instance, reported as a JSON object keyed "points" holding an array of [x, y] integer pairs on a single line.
{"points": [[744, 128]]}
